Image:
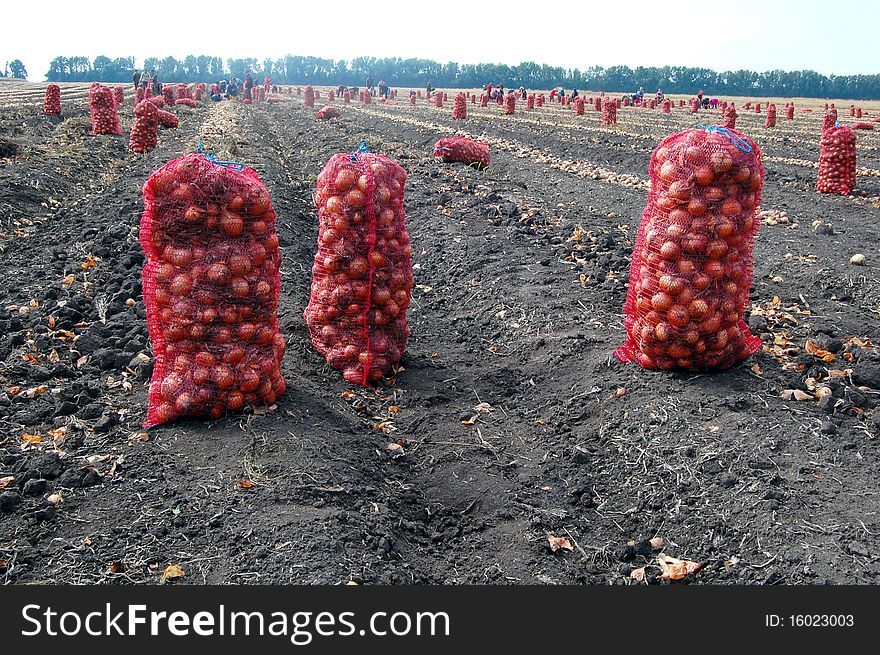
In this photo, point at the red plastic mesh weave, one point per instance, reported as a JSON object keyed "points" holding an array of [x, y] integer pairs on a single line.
{"points": [[770, 121], [145, 129], [362, 274], [530, 101], [484, 100], [460, 149], [327, 112], [187, 102], [331, 95], [309, 98], [102, 107], [168, 93], [539, 101], [159, 101], [757, 107], [667, 106], [211, 287], [837, 161], [52, 100], [509, 104], [864, 125], [346, 97], [852, 110], [459, 109], [182, 91], [138, 96], [438, 99], [609, 112], [789, 112], [691, 268], [119, 96]]}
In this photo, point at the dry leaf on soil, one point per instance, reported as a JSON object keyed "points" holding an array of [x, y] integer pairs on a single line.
{"points": [[6, 481], [172, 572], [672, 568], [559, 543], [795, 394], [245, 484]]}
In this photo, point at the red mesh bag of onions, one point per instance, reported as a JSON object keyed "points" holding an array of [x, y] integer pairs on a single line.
{"points": [[102, 107], [609, 112], [459, 108], [459, 149], [579, 106], [837, 161], [327, 112], [509, 104], [309, 100], [210, 289], [691, 268], [728, 117], [145, 129], [119, 96], [829, 120], [168, 93], [168, 119], [362, 275], [52, 100], [771, 116]]}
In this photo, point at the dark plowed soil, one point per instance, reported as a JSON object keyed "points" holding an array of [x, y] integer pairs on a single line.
{"points": [[516, 422]]}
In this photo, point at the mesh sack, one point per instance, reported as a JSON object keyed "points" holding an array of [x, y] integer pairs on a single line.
{"points": [[484, 100], [167, 119], [438, 100], [138, 96], [691, 269], [837, 161], [770, 121], [861, 125], [317, 94], [459, 109], [539, 101], [460, 149], [362, 275], [102, 107], [187, 102], [145, 128], [609, 112], [182, 91], [331, 95], [327, 112], [52, 100], [789, 112], [119, 96], [159, 101], [509, 104], [757, 107], [728, 117], [829, 120], [211, 287], [346, 97], [168, 94], [530, 101], [579, 105], [667, 106], [852, 110], [309, 98], [858, 112]]}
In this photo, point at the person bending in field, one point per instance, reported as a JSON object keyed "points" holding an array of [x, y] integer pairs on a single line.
{"points": [[136, 78], [383, 89], [370, 84], [154, 80], [429, 89]]}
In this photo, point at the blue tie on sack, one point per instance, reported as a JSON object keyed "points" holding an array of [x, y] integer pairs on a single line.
{"points": [[232, 165], [732, 137]]}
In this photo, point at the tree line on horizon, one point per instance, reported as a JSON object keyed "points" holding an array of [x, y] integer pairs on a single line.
{"points": [[399, 72]]}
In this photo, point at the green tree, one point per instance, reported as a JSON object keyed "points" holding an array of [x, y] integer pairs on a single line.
{"points": [[17, 69]]}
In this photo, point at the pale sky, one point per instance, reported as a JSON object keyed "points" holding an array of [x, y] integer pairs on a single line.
{"points": [[829, 36]]}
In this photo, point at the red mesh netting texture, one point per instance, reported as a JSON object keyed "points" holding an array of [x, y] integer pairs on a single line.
{"points": [[211, 285], [837, 161], [327, 112], [539, 101], [167, 119], [187, 102], [770, 121], [609, 112], [858, 112], [438, 99], [789, 112], [829, 120], [119, 96], [346, 97], [145, 129], [159, 101], [52, 100], [331, 96], [460, 149], [509, 104], [667, 106], [309, 99], [597, 104], [864, 125], [757, 107], [138, 96], [691, 269], [852, 110], [182, 91], [484, 100], [102, 107], [579, 106], [695, 105], [362, 274], [168, 94], [459, 109], [530, 101], [367, 97]]}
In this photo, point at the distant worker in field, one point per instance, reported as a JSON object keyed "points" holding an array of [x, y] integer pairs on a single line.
{"points": [[370, 84], [574, 94], [488, 88], [136, 78], [429, 89], [713, 103], [383, 89], [659, 95], [522, 92], [641, 93], [154, 81], [144, 79], [248, 86], [267, 84]]}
